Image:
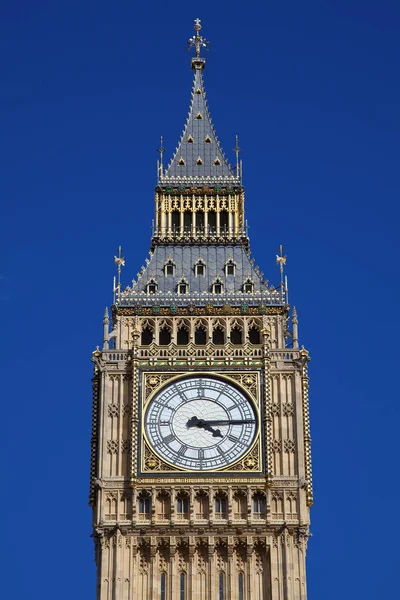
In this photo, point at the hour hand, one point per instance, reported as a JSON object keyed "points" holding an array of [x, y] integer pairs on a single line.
{"points": [[202, 424]]}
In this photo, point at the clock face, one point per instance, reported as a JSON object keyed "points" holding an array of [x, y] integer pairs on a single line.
{"points": [[200, 423]]}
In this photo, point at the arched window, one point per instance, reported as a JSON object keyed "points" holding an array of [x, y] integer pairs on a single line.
{"points": [[187, 222], [240, 505], [182, 336], [182, 586], [152, 286], [223, 221], [258, 505], [218, 336], [147, 336], [182, 506], [200, 222], [200, 336], [176, 220], [221, 586], [236, 335], [183, 286], [230, 267], [169, 268], [144, 505], [201, 505], [212, 222], [217, 286], [165, 336], [163, 585], [254, 335], [200, 268], [220, 506], [240, 586], [248, 286]]}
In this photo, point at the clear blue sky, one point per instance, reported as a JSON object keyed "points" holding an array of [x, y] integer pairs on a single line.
{"points": [[86, 89]]}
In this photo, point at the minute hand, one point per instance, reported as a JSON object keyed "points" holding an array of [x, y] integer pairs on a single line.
{"points": [[229, 422]]}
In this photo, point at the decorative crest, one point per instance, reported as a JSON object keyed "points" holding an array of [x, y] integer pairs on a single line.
{"points": [[198, 42]]}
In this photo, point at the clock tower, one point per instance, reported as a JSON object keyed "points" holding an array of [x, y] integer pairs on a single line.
{"points": [[200, 455]]}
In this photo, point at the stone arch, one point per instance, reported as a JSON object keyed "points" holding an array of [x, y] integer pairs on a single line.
{"points": [[200, 332], [236, 332], [240, 504], [163, 506], [182, 332], [218, 332], [165, 333], [202, 505], [147, 332]]}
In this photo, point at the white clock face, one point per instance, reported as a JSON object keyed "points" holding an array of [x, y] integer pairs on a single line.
{"points": [[200, 423]]}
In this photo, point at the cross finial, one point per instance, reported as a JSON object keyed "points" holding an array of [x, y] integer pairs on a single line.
{"points": [[161, 151], [236, 150], [198, 42]]}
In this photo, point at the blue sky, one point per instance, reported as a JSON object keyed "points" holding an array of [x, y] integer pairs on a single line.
{"points": [[86, 90]]}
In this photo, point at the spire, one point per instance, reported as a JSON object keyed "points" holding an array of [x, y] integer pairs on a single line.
{"points": [[199, 156]]}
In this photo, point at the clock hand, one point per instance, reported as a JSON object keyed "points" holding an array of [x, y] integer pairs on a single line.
{"points": [[201, 424], [195, 422]]}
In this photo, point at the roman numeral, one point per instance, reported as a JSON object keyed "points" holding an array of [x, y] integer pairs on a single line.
{"points": [[169, 438], [182, 450], [201, 454], [235, 440]]}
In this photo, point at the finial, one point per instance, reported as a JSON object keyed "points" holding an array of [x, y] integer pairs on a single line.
{"points": [[236, 150], [198, 42], [119, 261], [161, 151], [280, 259]]}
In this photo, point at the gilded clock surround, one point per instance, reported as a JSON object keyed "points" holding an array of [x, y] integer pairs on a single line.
{"points": [[249, 383]]}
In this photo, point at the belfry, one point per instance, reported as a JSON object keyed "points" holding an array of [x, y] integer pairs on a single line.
{"points": [[201, 477]]}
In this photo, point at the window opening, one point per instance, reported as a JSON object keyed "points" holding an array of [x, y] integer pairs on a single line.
{"points": [[221, 586], [165, 336], [152, 287], [218, 336], [223, 221], [182, 337], [182, 587], [176, 220], [183, 505], [200, 270], [200, 221], [236, 336], [254, 335], [187, 221], [163, 586], [212, 221], [200, 336], [240, 586], [144, 506], [147, 336]]}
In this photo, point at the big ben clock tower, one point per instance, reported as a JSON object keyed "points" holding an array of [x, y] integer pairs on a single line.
{"points": [[200, 466]]}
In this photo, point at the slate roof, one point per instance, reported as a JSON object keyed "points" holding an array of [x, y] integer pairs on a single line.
{"points": [[215, 258], [199, 155]]}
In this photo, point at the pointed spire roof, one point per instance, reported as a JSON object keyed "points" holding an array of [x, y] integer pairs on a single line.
{"points": [[199, 156]]}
